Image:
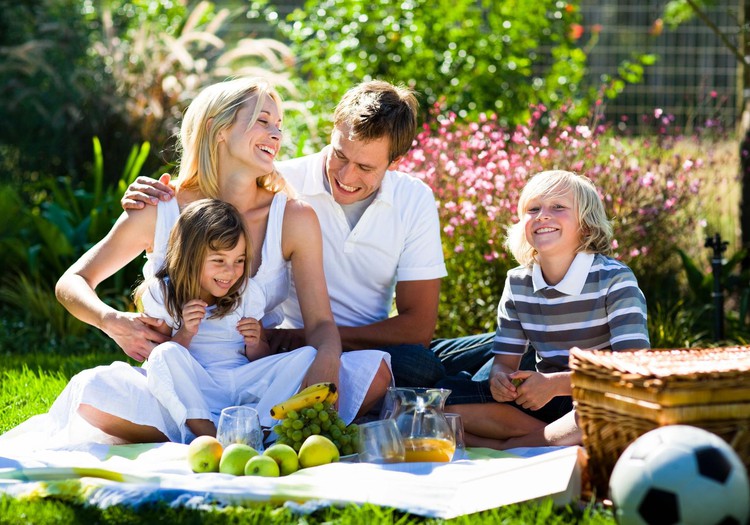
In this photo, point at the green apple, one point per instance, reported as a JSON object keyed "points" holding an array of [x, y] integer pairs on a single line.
{"points": [[235, 457], [204, 454], [262, 465], [285, 456], [317, 450]]}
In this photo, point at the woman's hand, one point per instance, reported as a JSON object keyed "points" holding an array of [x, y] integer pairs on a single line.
{"points": [[136, 333], [324, 368]]}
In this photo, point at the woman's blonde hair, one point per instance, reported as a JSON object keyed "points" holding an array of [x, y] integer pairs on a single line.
{"points": [[204, 225], [212, 111], [594, 226]]}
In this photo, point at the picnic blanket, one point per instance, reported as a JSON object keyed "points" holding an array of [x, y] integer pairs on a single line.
{"points": [[105, 475]]}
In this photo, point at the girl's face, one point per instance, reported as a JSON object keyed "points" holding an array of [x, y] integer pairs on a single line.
{"points": [[221, 270], [256, 146], [551, 225]]}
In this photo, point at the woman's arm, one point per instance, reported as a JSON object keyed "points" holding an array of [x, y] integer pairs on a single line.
{"points": [[135, 333], [302, 244]]}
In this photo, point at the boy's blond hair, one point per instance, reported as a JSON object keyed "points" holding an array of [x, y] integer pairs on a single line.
{"points": [[595, 227]]}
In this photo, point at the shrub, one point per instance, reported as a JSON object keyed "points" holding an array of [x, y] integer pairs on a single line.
{"points": [[478, 168], [123, 71]]}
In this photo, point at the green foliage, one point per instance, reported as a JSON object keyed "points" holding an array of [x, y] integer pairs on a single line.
{"points": [[678, 12], [120, 70], [735, 286], [51, 87], [677, 325], [46, 235], [474, 56]]}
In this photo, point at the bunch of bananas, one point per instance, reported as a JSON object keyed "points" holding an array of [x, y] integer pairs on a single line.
{"points": [[311, 412], [317, 393]]}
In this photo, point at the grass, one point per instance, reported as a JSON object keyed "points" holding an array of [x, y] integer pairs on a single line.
{"points": [[56, 512]]}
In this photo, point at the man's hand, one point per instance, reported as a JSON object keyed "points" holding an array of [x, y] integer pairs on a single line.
{"points": [[146, 190], [282, 340], [137, 334]]}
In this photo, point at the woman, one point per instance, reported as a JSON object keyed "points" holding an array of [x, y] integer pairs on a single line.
{"points": [[229, 139]]}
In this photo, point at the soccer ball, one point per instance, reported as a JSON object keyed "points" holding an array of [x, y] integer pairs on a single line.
{"points": [[679, 474]]}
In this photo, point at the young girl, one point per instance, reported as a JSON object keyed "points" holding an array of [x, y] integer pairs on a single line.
{"points": [[211, 312], [566, 293]]}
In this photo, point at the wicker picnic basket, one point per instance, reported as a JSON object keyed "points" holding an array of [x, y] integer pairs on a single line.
{"points": [[621, 395]]}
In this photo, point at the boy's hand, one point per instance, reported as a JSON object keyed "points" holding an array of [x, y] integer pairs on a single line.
{"points": [[536, 390], [502, 387], [145, 190]]}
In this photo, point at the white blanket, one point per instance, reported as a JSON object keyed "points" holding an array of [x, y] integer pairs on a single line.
{"points": [[106, 475]]}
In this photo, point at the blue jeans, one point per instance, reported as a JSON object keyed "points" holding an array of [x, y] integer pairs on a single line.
{"points": [[466, 355], [414, 365]]}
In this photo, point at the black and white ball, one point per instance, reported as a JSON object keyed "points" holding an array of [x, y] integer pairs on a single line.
{"points": [[679, 474]]}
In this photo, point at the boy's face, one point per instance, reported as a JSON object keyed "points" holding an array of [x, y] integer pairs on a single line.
{"points": [[355, 169], [551, 225]]}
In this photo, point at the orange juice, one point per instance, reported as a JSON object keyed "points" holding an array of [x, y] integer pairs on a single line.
{"points": [[428, 449]]}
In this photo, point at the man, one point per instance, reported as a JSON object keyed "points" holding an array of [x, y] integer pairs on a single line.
{"points": [[381, 233]]}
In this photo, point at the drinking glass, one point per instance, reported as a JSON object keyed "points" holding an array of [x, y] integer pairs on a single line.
{"points": [[457, 425], [240, 424], [380, 442]]}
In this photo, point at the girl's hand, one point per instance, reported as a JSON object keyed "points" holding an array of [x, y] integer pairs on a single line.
{"points": [[502, 388], [193, 313], [536, 390], [256, 345], [251, 330]]}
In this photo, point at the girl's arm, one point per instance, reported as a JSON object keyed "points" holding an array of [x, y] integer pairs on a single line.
{"points": [[135, 333], [302, 244]]}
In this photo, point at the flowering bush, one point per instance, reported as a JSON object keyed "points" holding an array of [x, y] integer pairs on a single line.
{"points": [[478, 169]]}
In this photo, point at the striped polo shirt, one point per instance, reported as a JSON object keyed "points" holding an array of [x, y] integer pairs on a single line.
{"points": [[596, 305]]}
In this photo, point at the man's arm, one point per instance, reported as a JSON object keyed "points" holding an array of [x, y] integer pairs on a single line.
{"points": [[414, 322]]}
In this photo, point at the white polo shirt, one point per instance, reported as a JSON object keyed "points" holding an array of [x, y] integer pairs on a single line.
{"points": [[396, 239]]}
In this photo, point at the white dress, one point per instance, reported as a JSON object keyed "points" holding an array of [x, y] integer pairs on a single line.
{"points": [[123, 390]]}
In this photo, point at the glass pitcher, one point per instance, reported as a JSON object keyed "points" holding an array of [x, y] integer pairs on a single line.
{"points": [[421, 420]]}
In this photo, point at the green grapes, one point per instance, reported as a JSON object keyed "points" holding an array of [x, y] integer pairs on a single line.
{"points": [[320, 418]]}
